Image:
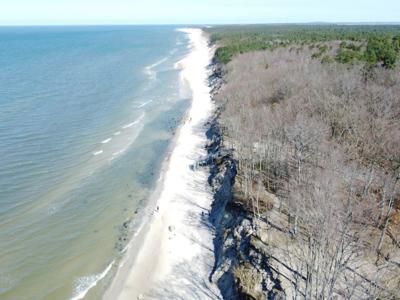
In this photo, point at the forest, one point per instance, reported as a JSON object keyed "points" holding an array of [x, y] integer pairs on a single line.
{"points": [[312, 114], [372, 44]]}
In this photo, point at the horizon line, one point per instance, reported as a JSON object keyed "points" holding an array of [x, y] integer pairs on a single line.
{"points": [[202, 24]]}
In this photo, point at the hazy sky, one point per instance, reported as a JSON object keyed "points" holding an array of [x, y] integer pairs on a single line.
{"points": [[195, 11]]}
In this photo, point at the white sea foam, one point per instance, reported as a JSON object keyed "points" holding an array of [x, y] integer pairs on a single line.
{"points": [[149, 70], [98, 152], [139, 230], [133, 123], [84, 284], [126, 248], [178, 65], [129, 125], [144, 104], [117, 133], [119, 152], [106, 141]]}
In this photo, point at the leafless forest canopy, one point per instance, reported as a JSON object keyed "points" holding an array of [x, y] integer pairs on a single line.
{"points": [[324, 138]]}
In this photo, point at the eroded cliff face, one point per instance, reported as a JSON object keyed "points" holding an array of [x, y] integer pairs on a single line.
{"points": [[241, 269]]}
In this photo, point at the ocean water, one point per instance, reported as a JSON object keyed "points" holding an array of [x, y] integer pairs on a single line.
{"points": [[87, 115]]}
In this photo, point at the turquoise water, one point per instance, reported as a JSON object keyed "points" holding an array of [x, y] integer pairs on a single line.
{"points": [[86, 117]]}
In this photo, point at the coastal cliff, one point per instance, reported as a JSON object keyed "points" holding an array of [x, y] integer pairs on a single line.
{"points": [[306, 203], [241, 269]]}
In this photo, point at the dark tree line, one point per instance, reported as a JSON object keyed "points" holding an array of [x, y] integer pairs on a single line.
{"points": [[373, 44]]}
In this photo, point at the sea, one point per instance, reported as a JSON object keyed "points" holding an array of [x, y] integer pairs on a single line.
{"points": [[87, 117]]}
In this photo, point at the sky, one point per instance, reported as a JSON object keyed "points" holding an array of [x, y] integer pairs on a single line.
{"points": [[67, 12]]}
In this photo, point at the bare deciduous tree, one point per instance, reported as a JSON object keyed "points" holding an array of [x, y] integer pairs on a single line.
{"points": [[326, 140]]}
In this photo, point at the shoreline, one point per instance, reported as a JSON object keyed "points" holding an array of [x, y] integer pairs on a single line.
{"points": [[176, 256]]}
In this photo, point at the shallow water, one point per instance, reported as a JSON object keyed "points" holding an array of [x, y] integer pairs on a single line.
{"points": [[86, 117]]}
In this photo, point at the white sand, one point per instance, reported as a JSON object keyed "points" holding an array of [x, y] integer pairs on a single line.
{"points": [[176, 264]]}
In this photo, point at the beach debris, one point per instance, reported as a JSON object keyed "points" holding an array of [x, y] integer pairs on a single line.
{"points": [[171, 228], [140, 297]]}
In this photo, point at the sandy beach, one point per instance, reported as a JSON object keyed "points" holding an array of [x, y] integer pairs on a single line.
{"points": [[173, 256]]}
